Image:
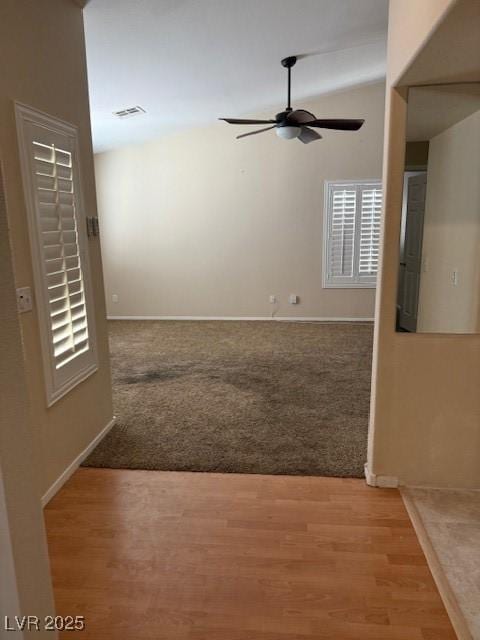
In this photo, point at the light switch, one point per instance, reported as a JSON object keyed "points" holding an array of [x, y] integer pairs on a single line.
{"points": [[24, 299]]}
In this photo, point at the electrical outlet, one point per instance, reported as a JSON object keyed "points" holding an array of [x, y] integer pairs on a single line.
{"points": [[273, 299], [24, 299], [293, 298], [114, 297]]}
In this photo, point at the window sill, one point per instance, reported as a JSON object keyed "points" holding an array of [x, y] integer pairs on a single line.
{"points": [[366, 285]]}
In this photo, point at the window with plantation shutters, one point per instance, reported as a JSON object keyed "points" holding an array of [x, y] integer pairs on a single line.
{"points": [[351, 233], [59, 249]]}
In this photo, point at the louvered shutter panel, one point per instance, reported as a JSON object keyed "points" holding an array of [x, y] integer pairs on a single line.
{"points": [[352, 233], [341, 233], [58, 240], [371, 210], [61, 251]]}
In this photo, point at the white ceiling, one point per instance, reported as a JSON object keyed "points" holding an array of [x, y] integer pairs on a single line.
{"points": [[188, 62]]}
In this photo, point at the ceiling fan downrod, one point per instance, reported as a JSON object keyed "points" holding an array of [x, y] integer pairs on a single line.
{"points": [[288, 63]]}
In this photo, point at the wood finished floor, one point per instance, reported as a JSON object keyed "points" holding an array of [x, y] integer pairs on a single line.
{"points": [[150, 555]]}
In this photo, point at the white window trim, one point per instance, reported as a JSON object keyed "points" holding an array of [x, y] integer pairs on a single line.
{"points": [[55, 389], [340, 285]]}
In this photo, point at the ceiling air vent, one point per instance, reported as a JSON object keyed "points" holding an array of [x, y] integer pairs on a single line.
{"points": [[129, 112]]}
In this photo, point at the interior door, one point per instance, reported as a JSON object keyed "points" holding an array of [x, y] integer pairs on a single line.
{"points": [[412, 263]]}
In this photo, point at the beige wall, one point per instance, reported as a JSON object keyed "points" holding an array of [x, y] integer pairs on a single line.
{"points": [[43, 65], [451, 233], [25, 587], [425, 412], [416, 155], [202, 224], [410, 22]]}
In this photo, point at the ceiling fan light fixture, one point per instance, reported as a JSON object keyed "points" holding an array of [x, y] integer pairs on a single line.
{"points": [[288, 132]]}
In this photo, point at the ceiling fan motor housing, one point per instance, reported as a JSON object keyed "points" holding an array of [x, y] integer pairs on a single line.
{"points": [[282, 116]]}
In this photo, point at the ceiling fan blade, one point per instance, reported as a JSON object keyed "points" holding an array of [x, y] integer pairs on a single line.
{"points": [[308, 135], [242, 121], [252, 133], [341, 124], [299, 116]]}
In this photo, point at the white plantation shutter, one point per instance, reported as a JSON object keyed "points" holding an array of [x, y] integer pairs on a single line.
{"points": [[57, 222], [352, 233], [371, 210], [58, 241], [341, 248]]}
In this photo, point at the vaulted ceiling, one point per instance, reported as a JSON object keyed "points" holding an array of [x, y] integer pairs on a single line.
{"points": [[188, 62]]}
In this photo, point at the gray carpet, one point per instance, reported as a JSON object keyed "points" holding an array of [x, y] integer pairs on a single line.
{"points": [[244, 397]]}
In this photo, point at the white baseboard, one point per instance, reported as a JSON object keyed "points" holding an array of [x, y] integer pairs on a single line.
{"points": [[256, 318], [370, 478], [384, 482], [73, 466]]}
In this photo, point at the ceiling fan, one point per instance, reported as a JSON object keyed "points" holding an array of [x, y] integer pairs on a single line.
{"points": [[296, 123]]}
